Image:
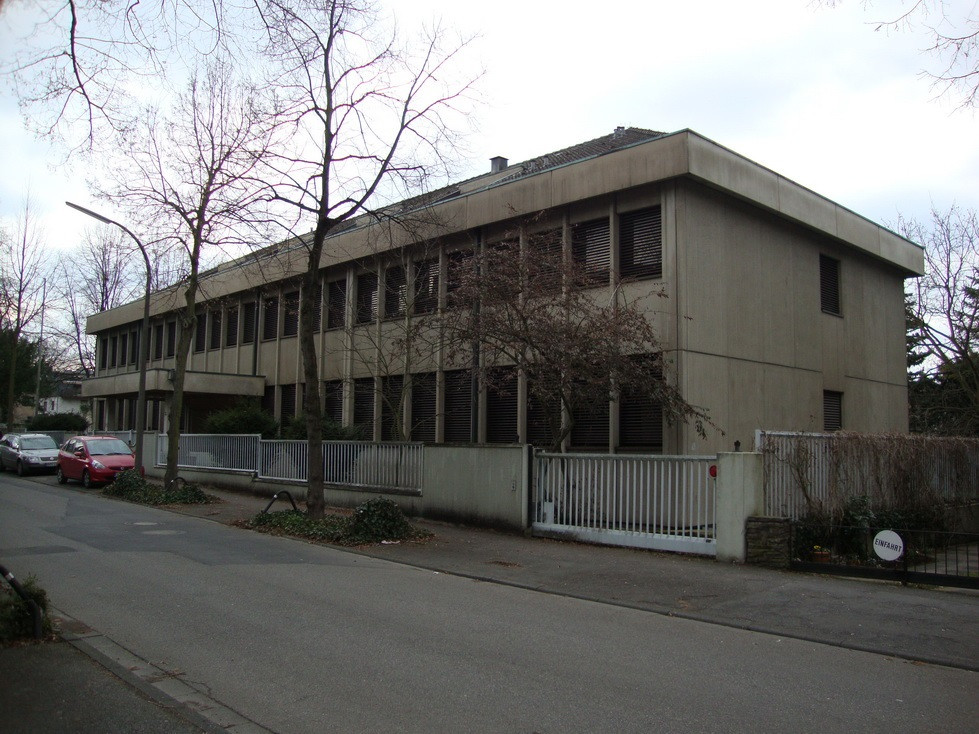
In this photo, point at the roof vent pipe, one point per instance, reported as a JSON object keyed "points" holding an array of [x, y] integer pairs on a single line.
{"points": [[498, 163]]}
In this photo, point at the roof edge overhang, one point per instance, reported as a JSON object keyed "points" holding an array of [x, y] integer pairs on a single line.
{"points": [[159, 381]]}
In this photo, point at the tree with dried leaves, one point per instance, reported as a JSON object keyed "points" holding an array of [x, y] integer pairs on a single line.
{"points": [[22, 274], [523, 303], [190, 178], [370, 119], [943, 323]]}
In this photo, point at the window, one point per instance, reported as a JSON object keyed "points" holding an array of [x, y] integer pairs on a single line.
{"points": [[501, 406], [333, 392], [641, 244], [423, 392], [123, 349], [545, 253], [832, 410], [364, 407], [270, 323], [391, 401], [318, 308], [200, 331], [287, 402], [268, 399], [590, 428], [171, 338], [829, 285], [157, 341], [458, 406], [103, 352], [231, 333], [290, 317], [113, 346], [336, 304], [426, 286], [590, 248], [395, 292], [641, 417], [366, 298], [539, 416], [134, 347], [248, 323], [459, 264], [215, 320]]}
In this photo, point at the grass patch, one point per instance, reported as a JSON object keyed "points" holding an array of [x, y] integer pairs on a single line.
{"points": [[132, 487], [372, 522], [16, 622]]}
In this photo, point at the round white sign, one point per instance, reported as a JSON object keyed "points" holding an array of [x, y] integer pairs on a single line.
{"points": [[888, 545]]}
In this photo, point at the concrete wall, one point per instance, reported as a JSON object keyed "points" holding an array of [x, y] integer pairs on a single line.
{"points": [[485, 486]]}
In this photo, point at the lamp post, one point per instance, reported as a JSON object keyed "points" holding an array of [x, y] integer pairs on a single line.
{"points": [[144, 337]]}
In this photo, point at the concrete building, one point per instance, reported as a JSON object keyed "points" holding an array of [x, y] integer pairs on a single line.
{"points": [[784, 310]]}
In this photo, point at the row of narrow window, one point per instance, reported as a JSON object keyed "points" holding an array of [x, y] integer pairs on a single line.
{"points": [[640, 256], [640, 418]]}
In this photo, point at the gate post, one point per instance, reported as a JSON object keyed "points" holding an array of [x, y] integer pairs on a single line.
{"points": [[740, 495]]}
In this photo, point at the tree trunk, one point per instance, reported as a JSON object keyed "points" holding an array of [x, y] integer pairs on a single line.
{"points": [[315, 503], [188, 322]]}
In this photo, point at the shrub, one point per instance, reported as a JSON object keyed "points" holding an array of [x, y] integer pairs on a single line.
{"points": [[72, 422], [132, 487], [379, 519], [372, 522], [242, 418], [16, 622], [332, 431]]}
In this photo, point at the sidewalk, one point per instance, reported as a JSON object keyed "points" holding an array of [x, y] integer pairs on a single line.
{"points": [[934, 625], [88, 683]]}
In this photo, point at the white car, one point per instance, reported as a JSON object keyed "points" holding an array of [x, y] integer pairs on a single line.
{"points": [[28, 453]]}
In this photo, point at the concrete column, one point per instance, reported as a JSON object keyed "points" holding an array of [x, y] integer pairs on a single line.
{"points": [[740, 495]]}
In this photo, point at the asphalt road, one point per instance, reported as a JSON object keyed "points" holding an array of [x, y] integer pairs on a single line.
{"points": [[302, 638]]}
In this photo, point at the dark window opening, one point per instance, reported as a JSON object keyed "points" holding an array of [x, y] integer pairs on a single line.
{"points": [[395, 292], [590, 248], [248, 325], [333, 393], [336, 306], [200, 332], [318, 308], [231, 333], [832, 411], [157, 341], [458, 406], [392, 396], [829, 285], [114, 342], [290, 316], [287, 398], [501, 406], [171, 338], [215, 320], [270, 322], [426, 286], [590, 427], [366, 298], [364, 407], [423, 396], [641, 244], [123, 349]]}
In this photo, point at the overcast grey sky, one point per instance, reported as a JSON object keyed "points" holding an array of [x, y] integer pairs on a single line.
{"points": [[815, 93]]}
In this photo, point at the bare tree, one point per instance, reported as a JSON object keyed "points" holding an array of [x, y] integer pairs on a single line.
{"points": [[97, 275], [944, 308], [954, 41], [373, 120], [530, 307], [21, 283], [191, 182]]}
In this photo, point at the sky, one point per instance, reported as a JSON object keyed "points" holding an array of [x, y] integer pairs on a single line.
{"points": [[814, 93]]}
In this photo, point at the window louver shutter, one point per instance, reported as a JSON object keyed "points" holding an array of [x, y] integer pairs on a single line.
{"points": [[829, 284], [832, 410], [641, 244], [423, 394], [501, 406], [458, 406], [590, 248]]}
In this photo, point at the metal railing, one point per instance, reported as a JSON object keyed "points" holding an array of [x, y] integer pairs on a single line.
{"points": [[668, 499], [808, 471], [390, 466]]}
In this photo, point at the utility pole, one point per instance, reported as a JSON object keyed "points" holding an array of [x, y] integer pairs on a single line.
{"points": [[40, 347]]}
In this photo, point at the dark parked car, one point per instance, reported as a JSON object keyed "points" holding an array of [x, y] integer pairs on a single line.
{"points": [[93, 459], [28, 453]]}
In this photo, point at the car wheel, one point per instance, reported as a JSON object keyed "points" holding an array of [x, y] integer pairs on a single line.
{"points": [[20, 469], [87, 480], [62, 479]]}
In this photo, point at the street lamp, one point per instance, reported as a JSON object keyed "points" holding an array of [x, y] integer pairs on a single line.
{"points": [[144, 338]]}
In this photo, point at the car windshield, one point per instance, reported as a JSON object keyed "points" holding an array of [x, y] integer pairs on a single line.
{"points": [[107, 446], [37, 442]]}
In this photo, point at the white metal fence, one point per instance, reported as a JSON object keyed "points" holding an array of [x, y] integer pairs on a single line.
{"points": [[660, 502], [396, 466], [820, 471]]}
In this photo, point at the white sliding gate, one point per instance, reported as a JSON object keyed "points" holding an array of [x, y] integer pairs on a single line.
{"points": [[659, 502]]}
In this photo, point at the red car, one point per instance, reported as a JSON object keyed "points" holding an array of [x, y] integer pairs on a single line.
{"points": [[93, 459]]}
